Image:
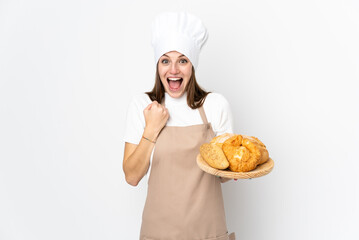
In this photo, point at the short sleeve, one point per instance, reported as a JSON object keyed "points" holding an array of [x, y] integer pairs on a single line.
{"points": [[135, 121], [219, 113]]}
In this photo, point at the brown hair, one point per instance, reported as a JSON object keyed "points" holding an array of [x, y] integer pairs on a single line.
{"points": [[195, 94]]}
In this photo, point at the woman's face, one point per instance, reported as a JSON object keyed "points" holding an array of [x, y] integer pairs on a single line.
{"points": [[175, 70]]}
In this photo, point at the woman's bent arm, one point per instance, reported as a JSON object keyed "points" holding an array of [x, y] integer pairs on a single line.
{"points": [[136, 159]]}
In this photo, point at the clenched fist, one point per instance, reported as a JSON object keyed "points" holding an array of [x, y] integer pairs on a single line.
{"points": [[156, 117]]}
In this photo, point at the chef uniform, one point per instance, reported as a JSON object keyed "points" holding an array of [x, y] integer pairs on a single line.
{"points": [[183, 202]]}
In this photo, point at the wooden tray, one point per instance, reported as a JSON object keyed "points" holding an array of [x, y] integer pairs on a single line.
{"points": [[259, 171]]}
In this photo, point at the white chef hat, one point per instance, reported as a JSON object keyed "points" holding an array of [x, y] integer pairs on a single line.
{"points": [[181, 32]]}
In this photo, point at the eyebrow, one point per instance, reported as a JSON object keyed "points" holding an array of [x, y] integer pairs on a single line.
{"points": [[178, 57]]}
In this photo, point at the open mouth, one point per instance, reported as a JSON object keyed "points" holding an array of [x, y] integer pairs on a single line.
{"points": [[174, 83]]}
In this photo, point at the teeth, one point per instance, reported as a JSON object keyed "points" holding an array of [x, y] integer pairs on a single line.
{"points": [[174, 79]]}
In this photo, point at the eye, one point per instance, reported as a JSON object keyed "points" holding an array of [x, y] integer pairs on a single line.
{"points": [[164, 61], [183, 60]]}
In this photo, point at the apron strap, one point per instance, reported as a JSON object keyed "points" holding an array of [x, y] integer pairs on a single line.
{"points": [[203, 115]]}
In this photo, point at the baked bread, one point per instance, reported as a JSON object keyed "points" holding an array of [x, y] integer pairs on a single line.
{"points": [[256, 147], [220, 139], [214, 156], [243, 153]]}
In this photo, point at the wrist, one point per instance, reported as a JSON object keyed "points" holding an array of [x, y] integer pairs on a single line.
{"points": [[150, 134], [149, 140]]}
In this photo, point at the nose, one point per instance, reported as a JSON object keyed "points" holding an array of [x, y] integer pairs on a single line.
{"points": [[174, 69]]}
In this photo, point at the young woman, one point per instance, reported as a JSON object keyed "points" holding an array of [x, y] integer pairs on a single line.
{"points": [[164, 130]]}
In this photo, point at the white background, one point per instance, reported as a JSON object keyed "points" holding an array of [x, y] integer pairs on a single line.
{"points": [[290, 70]]}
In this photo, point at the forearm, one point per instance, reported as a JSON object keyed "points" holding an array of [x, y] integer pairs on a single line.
{"points": [[137, 163]]}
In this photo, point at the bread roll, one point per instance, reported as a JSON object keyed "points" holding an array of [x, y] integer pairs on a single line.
{"points": [[257, 148], [214, 156], [239, 157], [244, 153]]}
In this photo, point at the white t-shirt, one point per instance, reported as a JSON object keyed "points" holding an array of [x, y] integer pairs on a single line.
{"points": [[216, 107]]}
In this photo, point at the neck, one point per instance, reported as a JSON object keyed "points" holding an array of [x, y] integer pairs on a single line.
{"points": [[179, 100]]}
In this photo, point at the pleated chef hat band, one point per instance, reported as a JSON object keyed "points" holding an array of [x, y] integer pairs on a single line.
{"points": [[181, 32]]}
